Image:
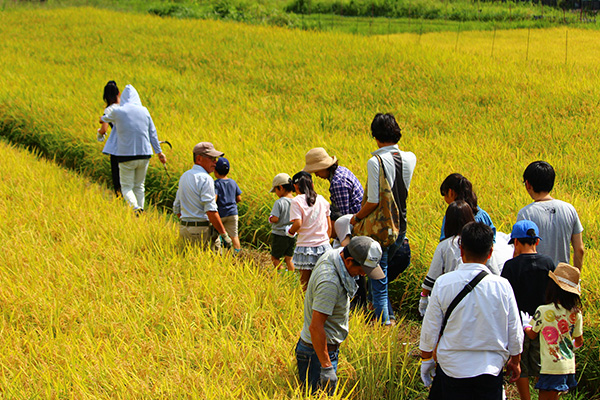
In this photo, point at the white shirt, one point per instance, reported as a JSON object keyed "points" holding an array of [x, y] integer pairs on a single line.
{"points": [[447, 258], [484, 329], [195, 195], [409, 161]]}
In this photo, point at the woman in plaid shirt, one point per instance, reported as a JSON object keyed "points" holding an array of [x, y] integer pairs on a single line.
{"points": [[346, 192]]}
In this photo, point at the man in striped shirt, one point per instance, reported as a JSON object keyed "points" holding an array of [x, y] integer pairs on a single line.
{"points": [[327, 308]]}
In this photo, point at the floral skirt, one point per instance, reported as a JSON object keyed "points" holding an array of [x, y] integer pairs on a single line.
{"points": [[306, 257]]}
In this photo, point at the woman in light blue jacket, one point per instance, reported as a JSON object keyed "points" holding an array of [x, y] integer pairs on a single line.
{"points": [[136, 137]]}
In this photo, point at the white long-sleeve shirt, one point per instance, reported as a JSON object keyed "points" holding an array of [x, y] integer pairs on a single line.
{"points": [[484, 329]]}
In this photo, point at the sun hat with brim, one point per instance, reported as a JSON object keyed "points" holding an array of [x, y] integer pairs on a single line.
{"points": [[566, 277], [207, 149], [524, 229], [317, 159], [279, 180], [367, 252]]}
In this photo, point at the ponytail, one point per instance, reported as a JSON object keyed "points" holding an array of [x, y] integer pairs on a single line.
{"points": [[305, 186], [111, 93], [463, 189]]}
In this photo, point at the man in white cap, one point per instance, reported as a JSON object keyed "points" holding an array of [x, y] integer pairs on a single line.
{"points": [[195, 203], [327, 307]]}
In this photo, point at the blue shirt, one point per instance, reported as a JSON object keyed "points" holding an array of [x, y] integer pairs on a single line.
{"points": [[227, 190], [195, 195], [481, 216]]}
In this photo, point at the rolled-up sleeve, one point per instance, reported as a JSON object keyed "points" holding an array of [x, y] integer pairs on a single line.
{"points": [[432, 323], [515, 328], [207, 196], [109, 115], [373, 180]]}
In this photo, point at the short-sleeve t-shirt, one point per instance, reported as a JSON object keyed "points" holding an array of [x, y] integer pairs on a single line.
{"points": [[557, 221], [528, 276], [557, 328], [313, 231], [326, 294], [227, 190], [281, 210]]}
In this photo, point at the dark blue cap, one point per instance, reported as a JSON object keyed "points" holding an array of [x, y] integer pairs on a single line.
{"points": [[521, 228], [222, 166]]}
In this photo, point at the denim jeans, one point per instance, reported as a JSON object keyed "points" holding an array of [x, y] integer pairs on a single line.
{"points": [[309, 367], [379, 288], [132, 175]]}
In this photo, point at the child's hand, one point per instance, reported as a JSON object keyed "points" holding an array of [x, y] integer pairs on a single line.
{"points": [[526, 318], [100, 135], [287, 232]]}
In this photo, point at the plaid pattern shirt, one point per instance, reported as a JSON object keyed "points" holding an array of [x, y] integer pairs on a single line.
{"points": [[346, 192]]}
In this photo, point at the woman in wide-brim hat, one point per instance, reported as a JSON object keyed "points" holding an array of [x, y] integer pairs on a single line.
{"points": [[346, 192]]}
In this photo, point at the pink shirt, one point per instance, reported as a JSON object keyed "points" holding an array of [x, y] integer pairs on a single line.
{"points": [[313, 231]]}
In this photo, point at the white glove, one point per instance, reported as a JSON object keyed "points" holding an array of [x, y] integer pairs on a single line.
{"points": [[226, 240], [526, 318], [100, 136], [423, 302], [427, 371], [288, 234]]}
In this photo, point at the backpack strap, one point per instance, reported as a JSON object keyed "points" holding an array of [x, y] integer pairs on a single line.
{"points": [[468, 287]]}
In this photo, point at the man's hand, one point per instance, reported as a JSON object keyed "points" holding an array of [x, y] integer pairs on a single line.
{"points": [[328, 379], [162, 158], [423, 302], [427, 372], [226, 240], [513, 368]]}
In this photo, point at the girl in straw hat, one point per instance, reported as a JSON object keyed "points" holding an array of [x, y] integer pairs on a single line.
{"points": [[560, 322]]}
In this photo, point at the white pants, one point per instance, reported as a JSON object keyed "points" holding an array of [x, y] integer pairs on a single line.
{"points": [[132, 175]]}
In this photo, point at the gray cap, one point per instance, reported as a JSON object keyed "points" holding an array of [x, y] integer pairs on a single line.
{"points": [[207, 149], [367, 252]]}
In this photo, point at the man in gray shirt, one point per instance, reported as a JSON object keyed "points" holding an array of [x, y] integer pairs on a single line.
{"points": [[557, 220], [327, 308]]}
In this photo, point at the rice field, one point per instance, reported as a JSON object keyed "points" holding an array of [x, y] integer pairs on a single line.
{"points": [[484, 104]]}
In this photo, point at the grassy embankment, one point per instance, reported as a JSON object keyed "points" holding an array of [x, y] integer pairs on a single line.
{"points": [[265, 96], [364, 17]]}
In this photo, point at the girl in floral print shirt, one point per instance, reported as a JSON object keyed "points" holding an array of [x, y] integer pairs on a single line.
{"points": [[561, 327]]}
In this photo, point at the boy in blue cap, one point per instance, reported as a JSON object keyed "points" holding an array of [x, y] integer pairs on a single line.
{"points": [[228, 195], [527, 273]]}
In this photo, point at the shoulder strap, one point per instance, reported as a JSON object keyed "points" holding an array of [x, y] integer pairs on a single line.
{"points": [[381, 168], [468, 287]]}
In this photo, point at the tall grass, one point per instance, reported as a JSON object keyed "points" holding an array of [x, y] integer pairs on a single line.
{"points": [[96, 303]]}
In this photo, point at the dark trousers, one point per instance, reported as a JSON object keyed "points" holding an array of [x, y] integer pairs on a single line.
{"points": [[114, 170], [481, 387]]}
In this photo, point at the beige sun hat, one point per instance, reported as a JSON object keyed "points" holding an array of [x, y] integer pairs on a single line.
{"points": [[317, 159], [567, 277]]}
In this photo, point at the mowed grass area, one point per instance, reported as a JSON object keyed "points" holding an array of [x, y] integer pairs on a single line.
{"points": [[474, 103], [96, 303]]}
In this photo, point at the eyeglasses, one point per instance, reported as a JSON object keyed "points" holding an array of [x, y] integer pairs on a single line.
{"points": [[213, 159]]}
